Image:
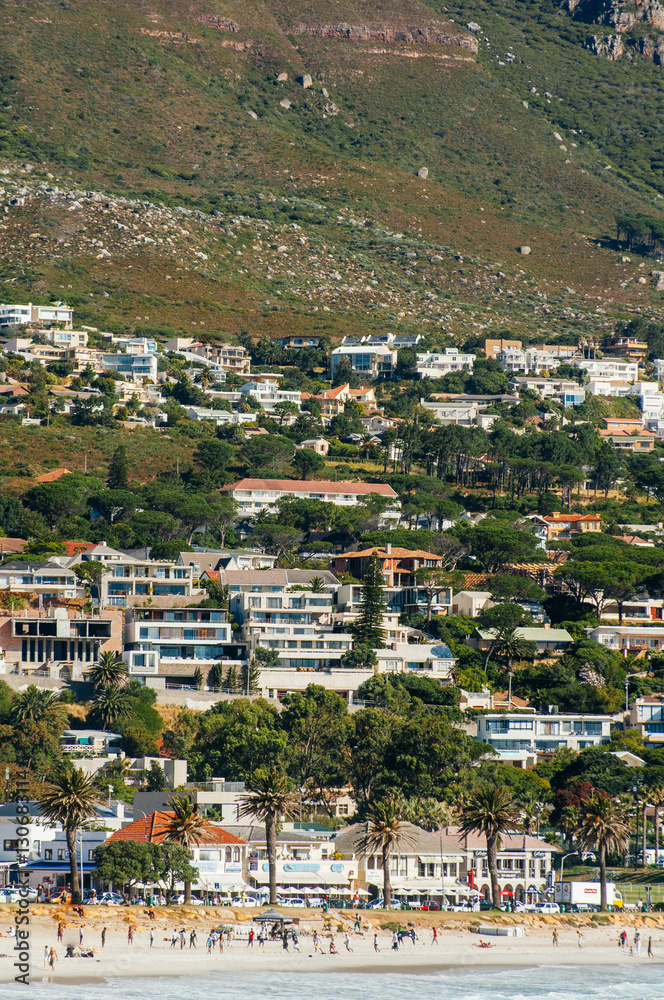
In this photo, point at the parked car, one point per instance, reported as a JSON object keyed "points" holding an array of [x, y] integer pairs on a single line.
{"points": [[246, 901], [105, 899], [59, 895], [547, 908], [486, 904], [290, 901], [315, 902]]}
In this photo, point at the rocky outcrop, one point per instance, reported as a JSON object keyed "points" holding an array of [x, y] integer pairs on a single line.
{"points": [[616, 14], [432, 34], [607, 46]]}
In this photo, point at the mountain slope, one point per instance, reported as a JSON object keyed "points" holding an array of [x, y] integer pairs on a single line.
{"points": [[310, 215]]}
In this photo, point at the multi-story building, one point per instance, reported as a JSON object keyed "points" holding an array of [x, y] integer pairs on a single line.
{"points": [[221, 418], [546, 639], [610, 368], [125, 575], [279, 596], [400, 600], [510, 731], [166, 646], [568, 525], [254, 495], [270, 395], [58, 642], [629, 637], [296, 342], [460, 412], [230, 357], [624, 347], [438, 365], [368, 359], [27, 315], [49, 579], [67, 338], [646, 714], [399, 566], [628, 435], [132, 367], [224, 797]]}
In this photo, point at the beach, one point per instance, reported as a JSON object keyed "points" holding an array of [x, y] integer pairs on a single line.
{"points": [[457, 947]]}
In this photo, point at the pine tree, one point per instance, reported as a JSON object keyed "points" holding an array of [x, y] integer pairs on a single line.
{"points": [[215, 677], [232, 681], [250, 677], [198, 678], [368, 627], [118, 469]]}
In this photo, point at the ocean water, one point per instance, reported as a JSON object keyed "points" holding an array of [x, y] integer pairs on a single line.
{"points": [[544, 983]]}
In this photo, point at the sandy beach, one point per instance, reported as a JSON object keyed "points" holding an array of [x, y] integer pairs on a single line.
{"points": [[457, 947]]}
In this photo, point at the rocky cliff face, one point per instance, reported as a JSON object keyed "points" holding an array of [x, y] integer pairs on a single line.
{"points": [[433, 34], [627, 18]]}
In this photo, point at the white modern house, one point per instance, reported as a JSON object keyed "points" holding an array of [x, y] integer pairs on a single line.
{"points": [[438, 365], [607, 368], [629, 637], [511, 731], [367, 357], [132, 367], [24, 315]]}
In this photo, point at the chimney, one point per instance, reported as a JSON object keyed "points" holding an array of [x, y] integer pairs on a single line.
{"points": [[388, 548]]}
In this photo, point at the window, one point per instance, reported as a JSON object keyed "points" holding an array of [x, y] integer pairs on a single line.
{"points": [[370, 862], [91, 854], [343, 810], [11, 845], [62, 855], [236, 854], [48, 854]]}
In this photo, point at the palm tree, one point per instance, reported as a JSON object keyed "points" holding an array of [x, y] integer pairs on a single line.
{"points": [[108, 671], [492, 812], [270, 798], [111, 705], [186, 828], [385, 831], [428, 813], [603, 827], [509, 645], [33, 704], [316, 585], [70, 800], [657, 798]]}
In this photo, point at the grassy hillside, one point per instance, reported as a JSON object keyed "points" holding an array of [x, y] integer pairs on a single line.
{"points": [[311, 216]]}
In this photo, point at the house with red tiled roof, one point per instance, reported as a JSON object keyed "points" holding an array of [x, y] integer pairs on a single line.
{"points": [[154, 829], [255, 495], [567, 525], [399, 565], [221, 857], [50, 477], [74, 548]]}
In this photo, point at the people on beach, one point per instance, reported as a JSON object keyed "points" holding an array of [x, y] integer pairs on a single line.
{"points": [[192, 939], [183, 938], [295, 940], [130, 934], [284, 940], [650, 951], [376, 948], [80, 936], [483, 944], [579, 937], [52, 958], [317, 944], [333, 947], [60, 930], [395, 941], [347, 942], [555, 937], [46, 954], [622, 940], [151, 937], [208, 944], [358, 923], [637, 943], [434, 935], [103, 937], [250, 939], [174, 938]]}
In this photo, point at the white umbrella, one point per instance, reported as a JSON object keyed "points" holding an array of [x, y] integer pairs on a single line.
{"points": [[262, 891], [360, 892]]}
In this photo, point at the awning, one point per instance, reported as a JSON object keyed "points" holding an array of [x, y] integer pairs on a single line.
{"points": [[428, 858]]}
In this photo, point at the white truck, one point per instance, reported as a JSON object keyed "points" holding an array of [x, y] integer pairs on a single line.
{"points": [[586, 895]]}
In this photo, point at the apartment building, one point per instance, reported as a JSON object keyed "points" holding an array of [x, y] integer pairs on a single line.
{"points": [[628, 435], [254, 495], [126, 575], [530, 359], [438, 365], [279, 596], [231, 357], [165, 647], [610, 368], [511, 731], [67, 338], [132, 367], [400, 600], [624, 347], [29, 314], [546, 639], [58, 642]]}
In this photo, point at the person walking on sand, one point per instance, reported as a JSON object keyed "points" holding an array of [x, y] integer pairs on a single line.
{"points": [[555, 937], [579, 937], [60, 930], [192, 939], [317, 944], [623, 939], [358, 923], [347, 942], [650, 951], [46, 952], [434, 935], [130, 935], [395, 941], [637, 943], [52, 958], [284, 941], [103, 937], [208, 944], [183, 938], [250, 939], [151, 937], [80, 936], [376, 948], [174, 938]]}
